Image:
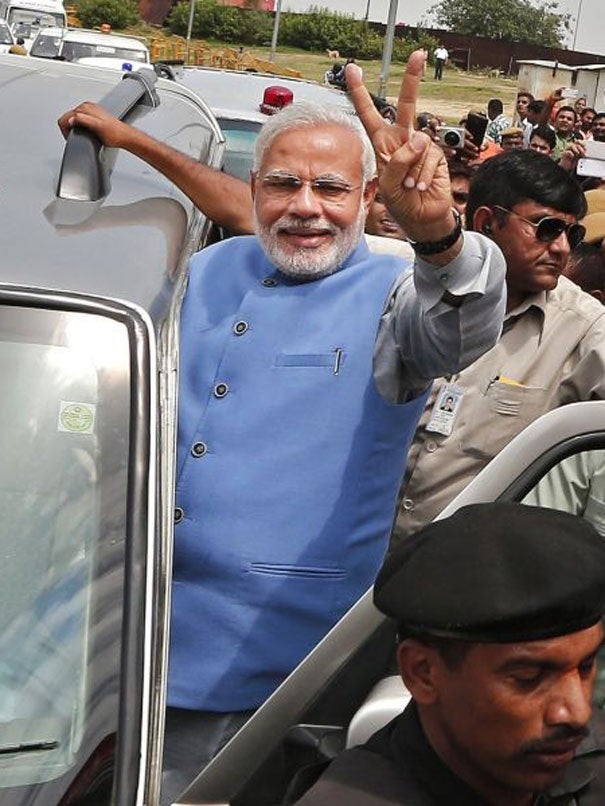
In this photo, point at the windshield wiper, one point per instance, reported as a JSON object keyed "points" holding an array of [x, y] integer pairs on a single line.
{"points": [[28, 747]]}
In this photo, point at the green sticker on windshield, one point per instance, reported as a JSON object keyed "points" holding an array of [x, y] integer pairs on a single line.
{"points": [[77, 418]]}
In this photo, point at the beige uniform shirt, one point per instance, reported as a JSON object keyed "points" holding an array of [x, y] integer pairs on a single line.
{"points": [[551, 352]]}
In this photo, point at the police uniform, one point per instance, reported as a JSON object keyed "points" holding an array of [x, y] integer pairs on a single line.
{"points": [[398, 766], [492, 573]]}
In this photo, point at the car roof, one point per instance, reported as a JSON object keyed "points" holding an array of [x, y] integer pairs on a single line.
{"points": [[237, 94], [39, 5], [52, 30], [99, 38], [128, 246]]}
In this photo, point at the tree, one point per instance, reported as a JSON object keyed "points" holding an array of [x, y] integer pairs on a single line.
{"points": [[118, 13], [537, 23]]}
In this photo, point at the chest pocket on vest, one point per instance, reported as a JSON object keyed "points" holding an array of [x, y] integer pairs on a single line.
{"points": [[313, 592], [332, 360], [494, 418]]}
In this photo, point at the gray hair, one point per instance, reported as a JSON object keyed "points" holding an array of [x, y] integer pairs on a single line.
{"points": [[303, 114]]}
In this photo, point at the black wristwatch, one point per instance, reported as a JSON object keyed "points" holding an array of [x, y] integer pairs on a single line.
{"points": [[435, 247]]}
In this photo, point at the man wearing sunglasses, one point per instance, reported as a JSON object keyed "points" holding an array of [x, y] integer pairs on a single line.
{"points": [[552, 349]]}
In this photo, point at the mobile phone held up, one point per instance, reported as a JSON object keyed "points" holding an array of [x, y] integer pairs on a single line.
{"points": [[593, 164], [476, 125]]}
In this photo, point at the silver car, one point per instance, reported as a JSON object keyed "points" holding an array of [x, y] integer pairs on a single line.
{"points": [[92, 270]]}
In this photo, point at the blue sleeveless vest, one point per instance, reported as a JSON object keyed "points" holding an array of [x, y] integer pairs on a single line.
{"points": [[289, 463]]}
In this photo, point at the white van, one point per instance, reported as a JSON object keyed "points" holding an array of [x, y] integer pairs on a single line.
{"points": [[91, 47], [27, 17]]}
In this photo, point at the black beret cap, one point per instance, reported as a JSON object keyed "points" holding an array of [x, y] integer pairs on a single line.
{"points": [[496, 573]]}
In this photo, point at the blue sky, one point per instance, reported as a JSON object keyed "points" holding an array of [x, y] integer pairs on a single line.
{"points": [[590, 36]]}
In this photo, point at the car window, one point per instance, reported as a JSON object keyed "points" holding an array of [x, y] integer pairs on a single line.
{"points": [[576, 485], [241, 137], [5, 35], [72, 51], [45, 46], [38, 19], [64, 436]]}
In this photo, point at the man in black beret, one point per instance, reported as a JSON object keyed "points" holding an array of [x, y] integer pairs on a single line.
{"points": [[499, 612]]}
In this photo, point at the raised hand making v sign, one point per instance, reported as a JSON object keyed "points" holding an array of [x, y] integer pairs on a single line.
{"points": [[413, 172]]}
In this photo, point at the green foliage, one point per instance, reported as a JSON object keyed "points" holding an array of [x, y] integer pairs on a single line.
{"points": [[242, 26], [402, 47], [537, 23], [118, 13], [318, 30]]}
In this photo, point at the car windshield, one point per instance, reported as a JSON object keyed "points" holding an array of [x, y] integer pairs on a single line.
{"points": [[241, 137], [64, 428], [30, 18], [45, 46], [5, 35], [72, 51]]}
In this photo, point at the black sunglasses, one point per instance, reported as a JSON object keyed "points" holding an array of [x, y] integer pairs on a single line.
{"points": [[549, 228]]}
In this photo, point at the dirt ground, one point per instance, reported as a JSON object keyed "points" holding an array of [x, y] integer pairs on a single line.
{"points": [[464, 92]]}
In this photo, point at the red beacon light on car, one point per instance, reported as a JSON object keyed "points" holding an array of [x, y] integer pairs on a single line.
{"points": [[275, 98]]}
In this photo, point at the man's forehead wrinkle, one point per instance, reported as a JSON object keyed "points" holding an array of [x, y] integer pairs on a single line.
{"points": [[545, 654]]}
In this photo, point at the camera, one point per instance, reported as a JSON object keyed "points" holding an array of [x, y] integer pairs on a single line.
{"points": [[450, 136]]}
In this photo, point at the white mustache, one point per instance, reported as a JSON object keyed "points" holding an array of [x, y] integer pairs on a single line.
{"points": [[294, 222]]}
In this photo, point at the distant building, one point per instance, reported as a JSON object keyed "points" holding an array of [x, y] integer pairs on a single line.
{"points": [[542, 77], [155, 11]]}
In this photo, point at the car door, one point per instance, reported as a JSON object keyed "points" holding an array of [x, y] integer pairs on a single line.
{"points": [[93, 266], [77, 521], [557, 461]]}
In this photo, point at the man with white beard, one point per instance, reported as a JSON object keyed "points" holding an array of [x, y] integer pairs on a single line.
{"points": [[305, 363]]}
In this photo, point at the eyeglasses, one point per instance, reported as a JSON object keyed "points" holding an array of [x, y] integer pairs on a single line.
{"points": [[549, 228], [330, 191], [460, 196]]}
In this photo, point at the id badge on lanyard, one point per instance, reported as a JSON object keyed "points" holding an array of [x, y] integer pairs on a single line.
{"points": [[445, 409]]}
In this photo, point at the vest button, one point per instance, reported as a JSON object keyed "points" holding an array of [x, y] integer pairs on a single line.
{"points": [[239, 328], [408, 504], [178, 515], [220, 390], [431, 446], [269, 282], [198, 449]]}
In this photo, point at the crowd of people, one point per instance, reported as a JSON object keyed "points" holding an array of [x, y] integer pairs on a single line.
{"points": [[320, 373]]}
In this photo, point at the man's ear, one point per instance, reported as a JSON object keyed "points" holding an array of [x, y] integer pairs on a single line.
{"points": [[253, 184], [483, 221], [369, 192], [418, 666]]}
